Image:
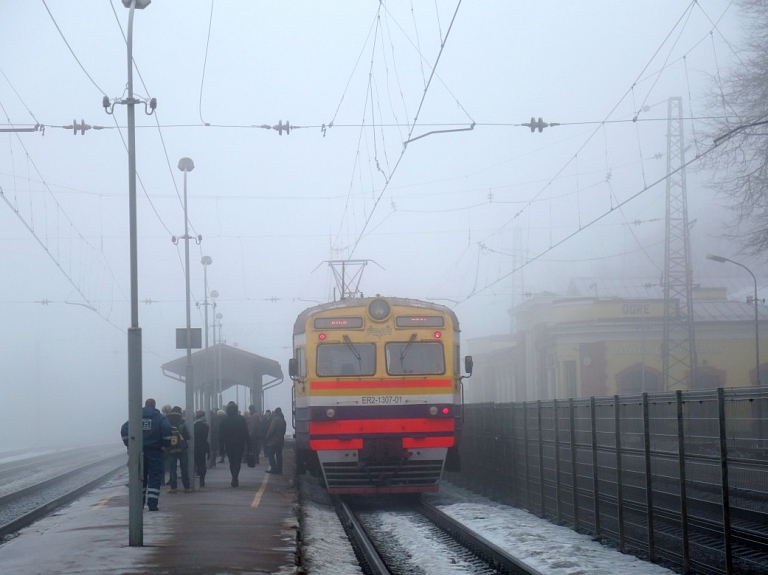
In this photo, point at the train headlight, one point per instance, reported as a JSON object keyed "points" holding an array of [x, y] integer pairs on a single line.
{"points": [[330, 413], [433, 410], [379, 309]]}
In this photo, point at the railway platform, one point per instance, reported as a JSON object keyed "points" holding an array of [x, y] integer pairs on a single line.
{"points": [[223, 530]]}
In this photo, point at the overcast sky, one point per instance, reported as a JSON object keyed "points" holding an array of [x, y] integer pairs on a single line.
{"points": [[448, 216]]}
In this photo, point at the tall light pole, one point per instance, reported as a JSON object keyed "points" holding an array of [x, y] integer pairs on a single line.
{"points": [[218, 353], [214, 295], [722, 260], [135, 432], [186, 165], [206, 261]]}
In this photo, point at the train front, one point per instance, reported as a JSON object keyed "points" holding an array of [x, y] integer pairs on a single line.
{"points": [[377, 394]]}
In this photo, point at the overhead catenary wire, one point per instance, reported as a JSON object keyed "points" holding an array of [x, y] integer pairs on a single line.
{"points": [[410, 132]]}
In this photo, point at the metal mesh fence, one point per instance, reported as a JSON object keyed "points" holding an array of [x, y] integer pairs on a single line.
{"points": [[678, 478]]}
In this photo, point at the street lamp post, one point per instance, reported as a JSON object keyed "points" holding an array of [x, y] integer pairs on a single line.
{"points": [[186, 165], [206, 261], [214, 295], [722, 260], [218, 353], [135, 433]]}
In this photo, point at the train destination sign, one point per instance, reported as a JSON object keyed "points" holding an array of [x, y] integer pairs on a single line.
{"points": [[338, 322], [419, 321]]}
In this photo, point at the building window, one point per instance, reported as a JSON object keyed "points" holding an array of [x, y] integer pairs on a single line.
{"points": [[569, 374], [708, 378], [638, 379]]}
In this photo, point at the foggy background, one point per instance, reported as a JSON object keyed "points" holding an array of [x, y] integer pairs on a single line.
{"points": [[473, 219]]}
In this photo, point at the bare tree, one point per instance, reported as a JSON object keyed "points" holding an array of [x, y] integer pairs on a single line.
{"points": [[740, 161]]}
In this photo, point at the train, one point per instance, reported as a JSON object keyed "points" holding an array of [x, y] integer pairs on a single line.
{"points": [[377, 394]]}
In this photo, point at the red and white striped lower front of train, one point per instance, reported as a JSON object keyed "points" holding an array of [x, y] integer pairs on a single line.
{"points": [[391, 436]]}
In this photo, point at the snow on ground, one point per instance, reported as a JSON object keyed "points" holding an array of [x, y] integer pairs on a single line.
{"points": [[552, 549], [325, 548]]}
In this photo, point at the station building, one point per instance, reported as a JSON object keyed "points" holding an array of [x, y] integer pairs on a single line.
{"points": [[583, 344]]}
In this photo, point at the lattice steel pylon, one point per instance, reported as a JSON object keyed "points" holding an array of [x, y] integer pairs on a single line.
{"points": [[679, 345]]}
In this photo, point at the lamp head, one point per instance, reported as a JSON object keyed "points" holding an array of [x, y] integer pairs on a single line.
{"points": [[715, 258], [186, 165], [140, 4]]}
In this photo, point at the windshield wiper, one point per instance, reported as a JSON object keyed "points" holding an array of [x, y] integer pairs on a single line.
{"points": [[404, 351], [353, 349]]}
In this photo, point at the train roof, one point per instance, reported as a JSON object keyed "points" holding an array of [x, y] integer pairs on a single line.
{"points": [[301, 320]]}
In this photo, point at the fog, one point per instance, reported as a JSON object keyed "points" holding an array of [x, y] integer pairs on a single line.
{"points": [[472, 218]]}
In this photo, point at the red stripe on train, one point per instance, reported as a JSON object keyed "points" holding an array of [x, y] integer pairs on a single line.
{"points": [[408, 443], [364, 426], [335, 444]]}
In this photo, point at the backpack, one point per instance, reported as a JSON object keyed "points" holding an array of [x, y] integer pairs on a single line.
{"points": [[178, 443]]}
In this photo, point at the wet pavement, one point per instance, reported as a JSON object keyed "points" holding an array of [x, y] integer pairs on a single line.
{"points": [[220, 530]]}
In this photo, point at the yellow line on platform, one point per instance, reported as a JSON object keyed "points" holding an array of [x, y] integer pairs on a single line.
{"points": [[102, 502], [260, 492]]}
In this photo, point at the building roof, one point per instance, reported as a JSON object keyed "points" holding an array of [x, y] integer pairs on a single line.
{"points": [[226, 364]]}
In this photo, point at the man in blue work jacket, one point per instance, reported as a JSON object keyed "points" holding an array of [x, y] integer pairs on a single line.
{"points": [[157, 436]]}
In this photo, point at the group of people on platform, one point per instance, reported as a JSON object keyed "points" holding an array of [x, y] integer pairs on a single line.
{"points": [[238, 438]]}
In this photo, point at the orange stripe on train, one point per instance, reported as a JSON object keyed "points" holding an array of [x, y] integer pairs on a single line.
{"points": [[383, 391], [380, 383]]}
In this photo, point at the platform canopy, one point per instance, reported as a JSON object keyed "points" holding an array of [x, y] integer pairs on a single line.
{"points": [[221, 366]]}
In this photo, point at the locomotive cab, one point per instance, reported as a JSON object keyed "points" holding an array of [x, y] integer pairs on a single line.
{"points": [[377, 394]]}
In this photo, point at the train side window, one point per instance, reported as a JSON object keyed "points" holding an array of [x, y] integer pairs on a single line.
{"points": [[301, 359], [456, 360], [415, 358], [342, 359]]}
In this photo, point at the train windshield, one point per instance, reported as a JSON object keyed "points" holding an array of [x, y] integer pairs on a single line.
{"points": [[344, 359], [415, 358]]}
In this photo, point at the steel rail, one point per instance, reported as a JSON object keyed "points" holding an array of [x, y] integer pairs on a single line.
{"points": [[29, 490], [20, 465], [371, 562], [32, 516], [499, 559]]}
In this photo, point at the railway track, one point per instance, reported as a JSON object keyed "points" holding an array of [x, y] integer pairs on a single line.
{"points": [[419, 539], [32, 502]]}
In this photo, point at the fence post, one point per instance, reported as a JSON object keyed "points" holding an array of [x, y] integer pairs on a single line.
{"points": [[648, 479], [574, 481], [683, 489], [513, 457], [525, 456], [724, 479], [619, 484], [541, 459], [557, 462], [595, 467]]}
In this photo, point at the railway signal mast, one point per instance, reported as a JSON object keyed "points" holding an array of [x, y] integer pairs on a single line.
{"points": [[679, 346]]}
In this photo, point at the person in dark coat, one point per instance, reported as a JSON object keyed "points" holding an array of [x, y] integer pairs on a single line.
{"points": [[234, 439], [265, 428], [254, 430], [274, 442], [216, 416], [156, 433], [179, 455], [202, 448]]}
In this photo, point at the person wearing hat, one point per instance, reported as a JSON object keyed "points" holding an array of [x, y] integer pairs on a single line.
{"points": [[274, 442], [179, 453], [202, 448]]}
